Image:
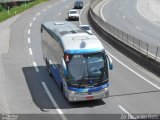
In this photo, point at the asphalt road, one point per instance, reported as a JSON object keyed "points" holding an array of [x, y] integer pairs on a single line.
{"points": [[126, 16], [31, 92]]}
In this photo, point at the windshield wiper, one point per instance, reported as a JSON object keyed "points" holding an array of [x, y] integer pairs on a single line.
{"points": [[82, 79], [101, 76]]}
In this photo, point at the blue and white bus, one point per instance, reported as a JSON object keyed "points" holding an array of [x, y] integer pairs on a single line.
{"points": [[77, 61]]}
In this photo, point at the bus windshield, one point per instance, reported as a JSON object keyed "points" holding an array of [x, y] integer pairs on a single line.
{"points": [[87, 70]]}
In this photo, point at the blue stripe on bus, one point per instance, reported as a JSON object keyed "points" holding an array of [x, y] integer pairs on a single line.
{"points": [[56, 73], [83, 51], [94, 89]]}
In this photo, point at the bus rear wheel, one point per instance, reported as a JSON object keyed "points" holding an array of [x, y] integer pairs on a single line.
{"points": [[48, 67]]}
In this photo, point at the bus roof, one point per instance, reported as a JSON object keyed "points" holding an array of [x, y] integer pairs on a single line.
{"points": [[73, 39]]}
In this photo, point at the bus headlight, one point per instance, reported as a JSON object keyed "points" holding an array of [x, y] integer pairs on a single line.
{"points": [[72, 92], [105, 89]]}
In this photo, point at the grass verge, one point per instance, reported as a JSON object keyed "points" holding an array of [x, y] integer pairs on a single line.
{"points": [[5, 14]]}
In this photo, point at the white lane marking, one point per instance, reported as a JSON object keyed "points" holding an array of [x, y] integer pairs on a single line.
{"points": [[134, 71], [59, 111], [145, 16], [35, 66], [102, 9], [29, 31], [30, 51], [34, 18], [138, 28], [29, 40], [125, 111], [50, 6], [81, 13], [59, 13], [44, 10], [124, 17], [38, 14], [53, 101], [30, 25], [50, 62]]}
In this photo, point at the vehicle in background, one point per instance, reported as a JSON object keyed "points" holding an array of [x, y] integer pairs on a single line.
{"points": [[77, 61], [73, 15], [78, 4], [86, 28]]}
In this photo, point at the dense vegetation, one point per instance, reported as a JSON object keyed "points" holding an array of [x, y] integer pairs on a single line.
{"points": [[8, 10]]}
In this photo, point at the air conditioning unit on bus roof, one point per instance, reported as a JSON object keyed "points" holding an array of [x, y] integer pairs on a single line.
{"points": [[80, 38], [59, 23]]}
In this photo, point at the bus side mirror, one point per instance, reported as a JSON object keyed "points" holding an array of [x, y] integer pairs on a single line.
{"points": [[110, 63], [64, 67]]}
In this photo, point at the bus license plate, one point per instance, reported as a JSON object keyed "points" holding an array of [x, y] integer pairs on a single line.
{"points": [[89, 97]]}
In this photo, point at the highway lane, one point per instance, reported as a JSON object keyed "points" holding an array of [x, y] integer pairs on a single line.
{"points": [[126, 17], [96, 111], [127, 89], [18, 64], [29, 96], [84, 107], [148, 9]]}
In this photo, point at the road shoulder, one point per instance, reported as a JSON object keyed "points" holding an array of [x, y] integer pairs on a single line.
{"points": [[4, 48], [5, 34]]}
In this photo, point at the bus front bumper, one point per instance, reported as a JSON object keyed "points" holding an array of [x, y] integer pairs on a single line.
{"points": [[85, 97]]}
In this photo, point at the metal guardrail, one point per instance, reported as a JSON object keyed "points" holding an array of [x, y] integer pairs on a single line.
{"points": [[145, 48]]}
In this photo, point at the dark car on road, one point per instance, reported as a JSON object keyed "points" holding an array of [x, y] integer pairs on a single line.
{"points": [[78, 4]]}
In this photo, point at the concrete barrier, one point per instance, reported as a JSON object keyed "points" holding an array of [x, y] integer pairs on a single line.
{"points": [[148, 54]]}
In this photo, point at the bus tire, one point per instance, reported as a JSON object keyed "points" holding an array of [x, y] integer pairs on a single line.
{"points": [[63, 91], [48, 69], [61, 87]]}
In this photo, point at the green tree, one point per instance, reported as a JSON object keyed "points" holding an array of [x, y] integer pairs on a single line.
{"points": [[1, 8]]}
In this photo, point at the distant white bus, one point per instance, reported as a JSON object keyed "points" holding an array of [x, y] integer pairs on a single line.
{"points": [[77, 61]]}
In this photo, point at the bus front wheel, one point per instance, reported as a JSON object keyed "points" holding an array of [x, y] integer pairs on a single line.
{"points": [[63, 90]]}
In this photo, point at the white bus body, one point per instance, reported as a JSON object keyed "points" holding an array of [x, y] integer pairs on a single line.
{"points": [[76, 60]]}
